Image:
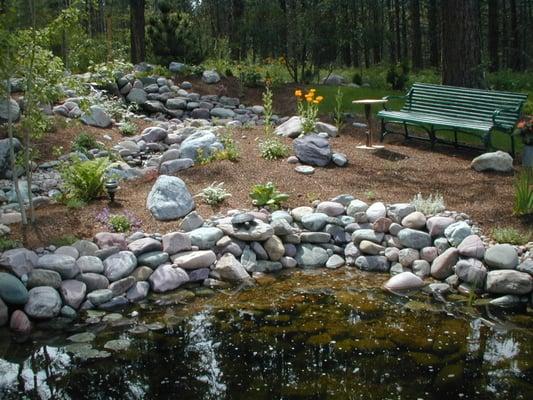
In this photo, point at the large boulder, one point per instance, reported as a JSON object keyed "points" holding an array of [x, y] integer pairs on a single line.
{"points": [[311, 256], [313, 150], [5, 158], [292, 128], [65, 265], [200, 141], [7, 108], [119, 265], [167, 278], [176, 67], [137, 96], [169, 199], [230, 269], [18, 261], [44, 302], [96, 116], [12, 291], [497, 161], [334, 79], [194, 259], [501, 256], [210, 77], [508, 281], [219, 112], [73, 292]]}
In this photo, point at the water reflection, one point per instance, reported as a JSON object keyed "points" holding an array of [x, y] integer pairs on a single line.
{"points": [[296, 339]]}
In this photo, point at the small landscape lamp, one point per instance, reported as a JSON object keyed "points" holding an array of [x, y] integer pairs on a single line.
{"points": [[111, 187]]}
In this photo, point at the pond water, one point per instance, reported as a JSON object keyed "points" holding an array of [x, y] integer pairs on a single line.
{"points": [[305, 335]]}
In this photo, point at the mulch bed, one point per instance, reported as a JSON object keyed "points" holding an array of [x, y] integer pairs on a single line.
{"points": [[395, 174]]}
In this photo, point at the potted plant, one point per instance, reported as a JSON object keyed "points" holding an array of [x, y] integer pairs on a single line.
{"points": [[526, 133]]}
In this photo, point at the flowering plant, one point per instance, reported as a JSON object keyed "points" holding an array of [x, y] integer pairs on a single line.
{"points": [[122, 222], [526, 130], [308, 108]]}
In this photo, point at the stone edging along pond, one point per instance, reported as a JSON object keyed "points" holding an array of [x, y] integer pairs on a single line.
{"points": [[440, 253]]}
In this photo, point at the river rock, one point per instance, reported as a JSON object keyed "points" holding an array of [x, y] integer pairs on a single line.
{"points": [[290, 128], [356, 206], [526, 266], [335, 261], [371, 248], [68, 251], [169, 199], [367, 234], [138, 291], [501, 256], [12, 291], [442, 266], [406, 257], [100, 296], [230, 269], [210, 77], [313, 150], [93, 281], [120, 286], [166, 278], [18, 261], [64, 265], [90, 264], [259, 231], [415, 220], [471, 271], [330, 208], [205, 238], [404, 281], [44, 277], [73, 292], [194, 259], [96, 117], [310, 256], [85, 248], [119, 265], [472, 247], [421, 268], [437, 225], [200, 141], [144, 245], [153, 134], [153, 259], [274, 248], [43, 303], [20, 324], [109, 239], [398, 211], [457, 232], [376, 211], [176, 242], [414, 238], [496, 161], [372, 263], [506, 281]]}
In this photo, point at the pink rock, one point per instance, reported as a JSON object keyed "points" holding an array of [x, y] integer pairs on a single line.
{"points": [[20, 323], [437, 225], [429, 254], [472, 247], [73, 292], [442, 266], [403, 281], [382, 224], [108, 239]]}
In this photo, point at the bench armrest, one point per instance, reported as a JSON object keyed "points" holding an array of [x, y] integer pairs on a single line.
{"points": [[497, 113], [399, 97]]}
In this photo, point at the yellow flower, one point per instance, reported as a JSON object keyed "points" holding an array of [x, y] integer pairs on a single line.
{"points": [[309, 99], [310, 94], [320, 98], [298, 93], [316, 101], [312, 90]]}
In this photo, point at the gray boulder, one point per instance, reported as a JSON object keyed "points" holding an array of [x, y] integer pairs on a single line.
{"points": [[204, 141], [73, 292], [18, 261], [194, 259], [167, 278], [5, 157], [153, 134], [372, 263], [64, 265], [137, 96], [313, 150], [43, 303], [457, 232], [205, 238], [501, 256], [311, 256], [508, 281], [169, 199], [230, 269], [414, 239], [12, 291], [497, 161], [119, 265], [210, 77], [176, 67], [173, 166], [44, 277], [291, 128], [219, 112], [96, 116], [7, 108]]}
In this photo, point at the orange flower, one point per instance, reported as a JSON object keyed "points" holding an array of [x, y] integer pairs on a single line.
{"points": [[298, 93], [312, 90], [316, 101], [320, 98], [309, 99]]}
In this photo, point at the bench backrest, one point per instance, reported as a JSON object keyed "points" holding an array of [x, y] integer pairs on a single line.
{"points": [[465, 103]]}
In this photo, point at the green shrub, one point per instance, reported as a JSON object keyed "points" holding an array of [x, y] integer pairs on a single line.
{"points": [[8, 244], [84, 180], [357, 78], [511, 236], [214, 194], [84, 142], [267, 195], [523, 187], [65, 240], [272, 149], [128, 128], [433, 204], [398, 76], [119, 223]]}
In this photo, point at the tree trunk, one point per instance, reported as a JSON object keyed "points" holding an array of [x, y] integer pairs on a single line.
{"points": [[138, 51], [398, 31], [404, 33], [392, 45], [461, 56], [515, 40], [493, 35], [433, 33], [416, 36]]}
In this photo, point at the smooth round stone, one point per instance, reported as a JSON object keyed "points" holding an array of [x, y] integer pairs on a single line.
{"points": [[43, 303], [68, 251], [330, 208], [456, 232], [404, 281], [421, 268], [335, 261], [73, 292], [12, 290], [442, 266], [429, 254], [315, 237], [281, 214], [507, 281], [85, 248], [20, 324], [83, 337], [44, 277], [305, 169], [372, 263], [414, 239], [376, 211], [117, 345], [205, 238], [309, 256], [153, 259], [299, 212], [288, 262], [274, 248], [138, 291], [119, 265], [142, 273], [415, 220], [472, 247], [471, 271], [371, 248], [63, 264], [406, 257], [100, 296], [501, 256], [93, 281], [90, 264], [68, 312], [392, 253], [356, 206], [396, 269], [314, 222]]}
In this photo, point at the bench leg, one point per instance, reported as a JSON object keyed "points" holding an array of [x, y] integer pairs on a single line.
{"points": [[432, 138], [406, 131], [512, 146], [383, 131], [486, 141], [455, 142]]}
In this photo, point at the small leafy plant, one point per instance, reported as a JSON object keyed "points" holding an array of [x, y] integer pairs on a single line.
{"points": [[307, 106], [511, 235], [337, 112], [433, 204], [120, 223], [8, 244], [523, 186], [272, 149], [229, 152], [128, 128], [214, 194], [268, 111], [84, 142], [84, 180], [267, 195]]}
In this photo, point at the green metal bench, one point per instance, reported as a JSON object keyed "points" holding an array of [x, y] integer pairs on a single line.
{"points": [[448, 108]]}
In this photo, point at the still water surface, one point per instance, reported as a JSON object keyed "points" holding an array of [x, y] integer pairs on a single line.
{"points": [[307, 335]]}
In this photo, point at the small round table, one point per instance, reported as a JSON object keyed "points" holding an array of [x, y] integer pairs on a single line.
{"points": [[368, 114]]}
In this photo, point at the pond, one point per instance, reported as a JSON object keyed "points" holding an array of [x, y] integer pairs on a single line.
{"points": [[305, 335]]}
